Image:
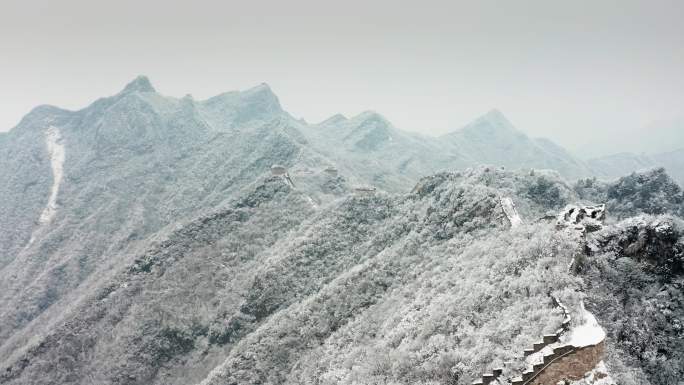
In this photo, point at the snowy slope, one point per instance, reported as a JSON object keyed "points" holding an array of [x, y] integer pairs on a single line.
{"points": [[366, 288], [175, 258], [492, 139], [55, 149]]}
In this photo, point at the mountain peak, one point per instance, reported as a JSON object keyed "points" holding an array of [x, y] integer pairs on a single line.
{"points": [[139, 84], [337, 118], [490, 123], [261, 89], [495, 116], [263, 95], [370, 116]]}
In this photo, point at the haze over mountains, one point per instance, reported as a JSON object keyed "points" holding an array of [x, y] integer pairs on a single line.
{"points": [[490, 139], [170, 255]]}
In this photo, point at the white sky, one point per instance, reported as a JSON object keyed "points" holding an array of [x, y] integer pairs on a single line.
{"points": [[579, 72]]}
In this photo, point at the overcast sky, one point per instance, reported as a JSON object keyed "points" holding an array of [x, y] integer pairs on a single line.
{"points": [[578, 72]]}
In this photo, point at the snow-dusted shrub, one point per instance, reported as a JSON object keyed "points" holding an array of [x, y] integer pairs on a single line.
{"points": [[635, 285]]}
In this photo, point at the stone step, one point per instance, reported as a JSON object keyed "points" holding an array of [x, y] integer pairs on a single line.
{"points": [[526, 375], [487, 378], [566, 323], [549, 357], [562, 349], [550, 338]]}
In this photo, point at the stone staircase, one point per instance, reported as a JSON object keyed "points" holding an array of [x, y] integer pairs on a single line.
{"points": [[567, 363], [546, 340], [531, 373]]}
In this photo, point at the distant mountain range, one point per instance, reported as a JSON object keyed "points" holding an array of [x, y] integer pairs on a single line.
{"points": [[612, 166], [146, 160]]}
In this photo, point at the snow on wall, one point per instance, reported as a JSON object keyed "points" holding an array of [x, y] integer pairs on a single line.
{"points": [[570, 364], [510, 211], [570, 353], [311, 201], [584, 218], [589, 333], [289, 180], [55, 148]]}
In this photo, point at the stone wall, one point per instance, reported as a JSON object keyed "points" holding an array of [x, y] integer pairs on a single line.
{"points": [[546, 340], [563, 362], [572, 366]]}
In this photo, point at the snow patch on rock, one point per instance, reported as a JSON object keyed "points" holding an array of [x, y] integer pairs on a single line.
{"points": [[55, 148]]}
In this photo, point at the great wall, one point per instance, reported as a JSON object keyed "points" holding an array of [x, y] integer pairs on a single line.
{"points": [[281, 171], [569, 353], [566, 355], [561, 356]]}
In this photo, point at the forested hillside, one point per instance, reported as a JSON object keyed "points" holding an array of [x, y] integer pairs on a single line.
{"points": [[271, 290], [155, 240]]}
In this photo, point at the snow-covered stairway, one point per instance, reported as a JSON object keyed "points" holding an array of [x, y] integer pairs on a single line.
{"points": [[569, 355]]}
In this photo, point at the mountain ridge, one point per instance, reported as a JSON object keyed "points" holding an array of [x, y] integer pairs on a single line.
{"points": [[176, 254], [261, 102]]}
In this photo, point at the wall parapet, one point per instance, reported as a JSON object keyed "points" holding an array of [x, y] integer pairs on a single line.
{"points": [[571, 365]]}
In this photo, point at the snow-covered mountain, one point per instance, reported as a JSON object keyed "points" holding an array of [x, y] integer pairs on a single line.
{"points": [[369, 145], [492, 139], [134, 164], [370, 148], [145, 240], [613, 166]]}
